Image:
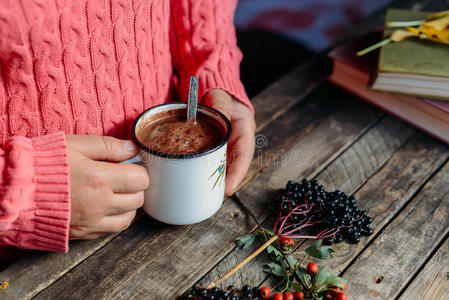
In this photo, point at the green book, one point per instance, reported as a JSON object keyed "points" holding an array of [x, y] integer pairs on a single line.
{"points": [[414, 66]]}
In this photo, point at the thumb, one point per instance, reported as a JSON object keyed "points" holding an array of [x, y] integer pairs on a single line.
{"points": [[104, 148], [220, 100]]}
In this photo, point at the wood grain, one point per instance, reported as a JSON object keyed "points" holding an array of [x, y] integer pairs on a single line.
{"points": [[193, 264], [281, 95], [193, 251], [385, 194], [36, 270], [39, 269], [432, 283], [404, 244], [295, 86], [347, 173], [290, 127]]}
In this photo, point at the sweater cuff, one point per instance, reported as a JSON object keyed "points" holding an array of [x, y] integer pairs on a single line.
{"points": [[50, 224]]}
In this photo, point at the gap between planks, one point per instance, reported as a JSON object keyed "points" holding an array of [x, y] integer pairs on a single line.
{"points": [[434, 154], [391, 135], [431, 282], [395, 265], [295, 91], [365, 116], [377, 234]]}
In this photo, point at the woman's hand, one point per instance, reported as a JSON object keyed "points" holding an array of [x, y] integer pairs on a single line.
{"points": [[104, 194], [241, 143]]}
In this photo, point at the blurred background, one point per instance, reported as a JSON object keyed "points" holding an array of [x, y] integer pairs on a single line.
{"points": [[276, 35]]}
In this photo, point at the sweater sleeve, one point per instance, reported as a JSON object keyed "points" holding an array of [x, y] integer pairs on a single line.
{"points": [[34, 193], [203, 43]]}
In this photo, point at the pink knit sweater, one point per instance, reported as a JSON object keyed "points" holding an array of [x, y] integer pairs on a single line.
{"points": [[89, 67]]}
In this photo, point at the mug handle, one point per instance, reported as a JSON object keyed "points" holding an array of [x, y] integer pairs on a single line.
{"points": [[136, 159]]}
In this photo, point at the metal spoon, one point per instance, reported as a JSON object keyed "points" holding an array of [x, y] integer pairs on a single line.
{"points": [[193, 100]]}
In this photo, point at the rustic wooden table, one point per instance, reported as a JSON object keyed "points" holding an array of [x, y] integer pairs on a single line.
{"points": [[305, 128]]}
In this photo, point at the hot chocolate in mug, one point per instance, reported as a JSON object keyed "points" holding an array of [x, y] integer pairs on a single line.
{"points": [[184, 188]]}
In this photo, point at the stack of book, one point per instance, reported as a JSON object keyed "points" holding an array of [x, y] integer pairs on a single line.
{"points": [[409, 79]]}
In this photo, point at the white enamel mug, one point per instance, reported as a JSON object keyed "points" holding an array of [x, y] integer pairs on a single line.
{"points": [[184, 188]]}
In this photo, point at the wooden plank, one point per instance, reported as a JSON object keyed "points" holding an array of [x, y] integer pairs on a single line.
{"points": [[390, 188], [432, 283], [347, 173], [62, 263], [36, 270], [386, 266], [386, 193], [194, 250], [288, 128], [51, 266], [281, 95], [315, 148]]}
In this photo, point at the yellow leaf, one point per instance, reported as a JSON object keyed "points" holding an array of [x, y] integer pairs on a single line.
{"points": [[438, 15], [400, 35], [413, 29], [437, 24], [436, 34]]}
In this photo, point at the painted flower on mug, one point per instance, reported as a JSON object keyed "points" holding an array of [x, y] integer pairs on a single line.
{"points": [[219, 172]]}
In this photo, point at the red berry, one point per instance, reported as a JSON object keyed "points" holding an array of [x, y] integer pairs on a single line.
{"points": [[278, 296], [265, 292], [343, 286], [288, 296], [312, 268], [341, 296], [298, 295], [286, 242]]}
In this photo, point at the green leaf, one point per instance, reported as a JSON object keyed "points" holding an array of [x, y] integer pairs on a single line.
{"points": [[320, 278], [317, 243], [273, 251], [301, 270], [272, 265], [304, 276], [316, 251], [279, 259], [291, 260], [245, 241], [334, 280], [275, 269]]}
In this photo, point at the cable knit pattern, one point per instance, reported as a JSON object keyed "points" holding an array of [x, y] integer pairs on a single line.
{"points": [[85, 108], [204, 37], [90, 67], [17, 68]]}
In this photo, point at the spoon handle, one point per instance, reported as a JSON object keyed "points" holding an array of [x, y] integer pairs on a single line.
{"points": [[193, 100]]}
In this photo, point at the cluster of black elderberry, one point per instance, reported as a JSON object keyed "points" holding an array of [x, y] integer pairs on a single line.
{"points": [[331, 209], [230, 293]]}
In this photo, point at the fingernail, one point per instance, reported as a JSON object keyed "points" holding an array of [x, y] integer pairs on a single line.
{"points": [[130, 147]]}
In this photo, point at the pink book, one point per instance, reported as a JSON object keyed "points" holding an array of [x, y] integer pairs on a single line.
{"points": [[353, 74]]}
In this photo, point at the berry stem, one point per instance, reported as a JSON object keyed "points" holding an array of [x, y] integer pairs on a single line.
{"points": [[327, 233], [306, 224], [289, 264], [243, 262], [289, 215]]}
